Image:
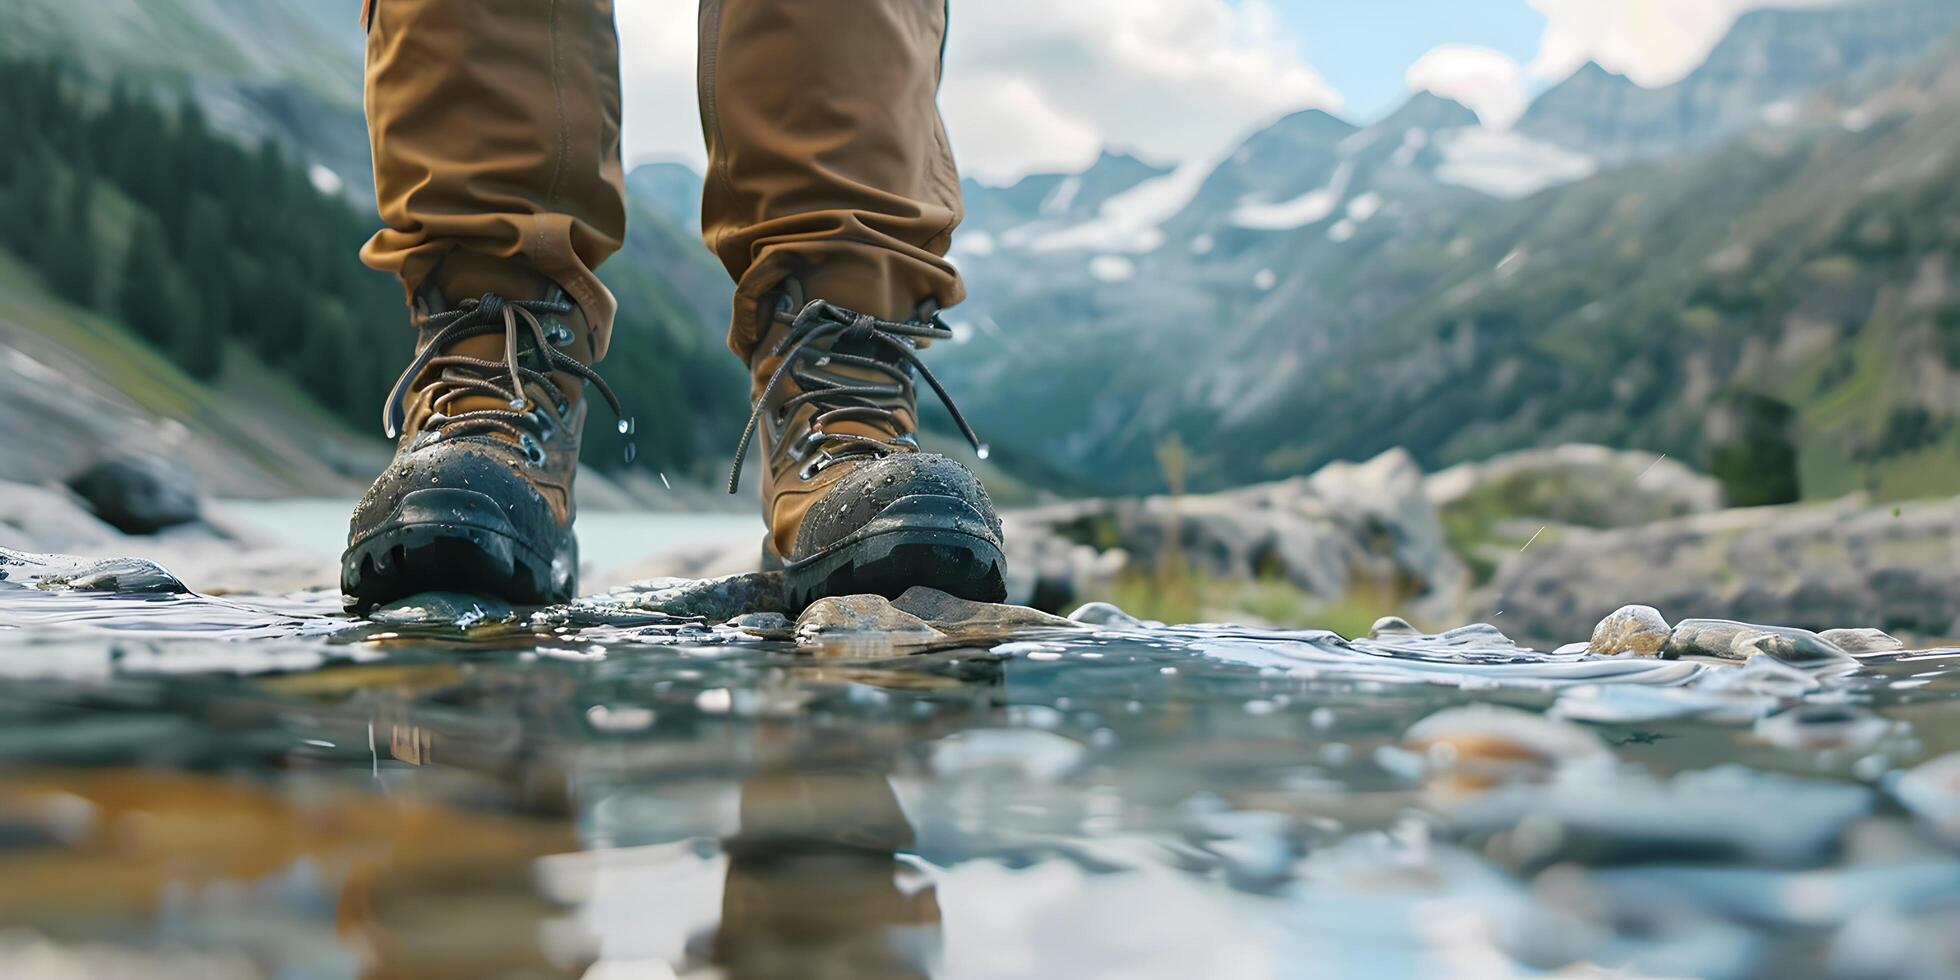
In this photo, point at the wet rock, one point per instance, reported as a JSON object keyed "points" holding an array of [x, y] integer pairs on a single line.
{"points": [[443, 609], [1858, 642], [1478, 746], [1728, 640], [1105, 614], [1025, 753], [67, 572], [1639, 630], [1816, 566], [767, 625], [1392, 626], [1823, 727], [860, 616], [1800, 648], [964, 617], [1617, 816], [713, 599], [1931, 790], [124, 575], [1622, 704], [138, 494]]}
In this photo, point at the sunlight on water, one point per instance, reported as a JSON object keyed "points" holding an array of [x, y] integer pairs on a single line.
{"points": [[260, 785]]}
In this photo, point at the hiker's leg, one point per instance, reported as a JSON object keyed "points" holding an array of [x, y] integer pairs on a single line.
{"points": [[827, 157], [495, 128]]}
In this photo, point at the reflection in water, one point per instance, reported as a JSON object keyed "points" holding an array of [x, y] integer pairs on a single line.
{"points": [[814, 883], [259, 787]]}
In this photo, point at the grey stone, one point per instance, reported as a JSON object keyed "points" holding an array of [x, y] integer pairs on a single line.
{"points": [[861, 616], [1348, 522], [1931, 790], [955, 616], [1729, 640], [443, 609], [1392, 626], [1640, 630], [1505, 735], [767, 625], [138, 494], [1815, 566], [1729, 813], [1582, 485], [123, 575], [714, 599], [1105, 614], [1863, 640], [1823, 727]]}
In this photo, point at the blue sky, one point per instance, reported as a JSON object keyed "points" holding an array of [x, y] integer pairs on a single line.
{"points": [[1364, 47]]}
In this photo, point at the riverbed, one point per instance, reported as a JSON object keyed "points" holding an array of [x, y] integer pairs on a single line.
{"points": [[259, 786]]}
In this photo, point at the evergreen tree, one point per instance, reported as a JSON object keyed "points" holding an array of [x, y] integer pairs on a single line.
{"points": [[70, 256], [154, 299], [207, 264]]}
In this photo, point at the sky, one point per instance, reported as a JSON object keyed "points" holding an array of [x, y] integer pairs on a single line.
{"points": [[1045, 85]]}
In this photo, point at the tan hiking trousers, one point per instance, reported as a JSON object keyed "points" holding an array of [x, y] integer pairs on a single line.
{"points": [[495, 129]]}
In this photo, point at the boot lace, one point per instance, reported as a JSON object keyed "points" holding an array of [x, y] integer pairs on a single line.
{"points": [[841, 398], [537, 403]]}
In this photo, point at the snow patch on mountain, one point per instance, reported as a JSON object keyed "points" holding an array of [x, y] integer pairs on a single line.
{"points": [[1112, 268], [1062, 197], [1128, 222], [1506, 163], [1412, 143], [1314, 205], [323, 179], [1364, 206]]}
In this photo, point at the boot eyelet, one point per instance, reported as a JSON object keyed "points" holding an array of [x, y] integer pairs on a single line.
{"points": [[543, 424], [814, 466], [533, 452], [558, 333]]}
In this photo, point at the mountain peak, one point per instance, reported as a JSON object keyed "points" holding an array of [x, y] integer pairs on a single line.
{"points": [[1427, 110], [672, 189], [1593, 71], [1317, 124]]}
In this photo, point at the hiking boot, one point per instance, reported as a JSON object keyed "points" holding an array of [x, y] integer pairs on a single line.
{"points": [[478, 498], [853, 505]]}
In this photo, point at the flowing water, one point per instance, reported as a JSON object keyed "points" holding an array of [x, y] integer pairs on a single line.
{"points": [[239, 786]]}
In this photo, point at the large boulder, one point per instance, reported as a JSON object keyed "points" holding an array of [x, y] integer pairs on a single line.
{"points": [[138, 494], [1579, 484], [1349, 523], [1848, 563]]}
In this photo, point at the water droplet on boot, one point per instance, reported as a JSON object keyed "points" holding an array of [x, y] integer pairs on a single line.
{"points": [[517, 404], [983, 451]]}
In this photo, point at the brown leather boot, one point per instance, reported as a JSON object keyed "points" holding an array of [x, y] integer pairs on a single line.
{"points": [[852, 503], [488, 416]]}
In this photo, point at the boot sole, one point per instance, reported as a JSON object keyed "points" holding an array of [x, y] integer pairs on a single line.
{"points": [[936, 541], [453, 540]]}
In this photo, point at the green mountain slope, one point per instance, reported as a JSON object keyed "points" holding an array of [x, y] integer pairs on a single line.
{"points": [[1788, 275], [275, 85]]}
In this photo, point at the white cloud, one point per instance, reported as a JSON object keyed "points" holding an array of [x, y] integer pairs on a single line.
{"points": [[1035, 85], [1653, 42], [1171, 79], [656, 75], [1486, 80]]}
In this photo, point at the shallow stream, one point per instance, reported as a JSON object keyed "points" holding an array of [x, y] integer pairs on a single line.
{"points": [[240, 786]]}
